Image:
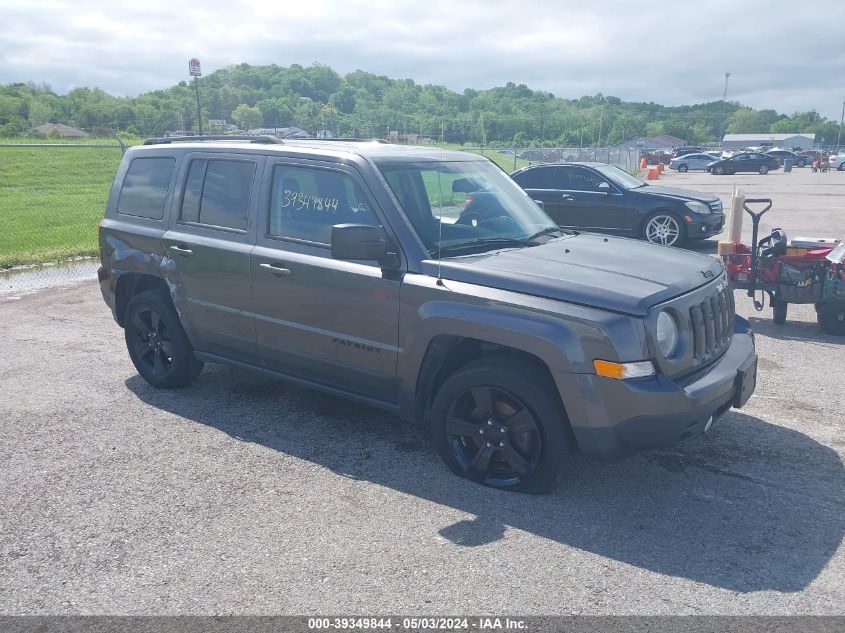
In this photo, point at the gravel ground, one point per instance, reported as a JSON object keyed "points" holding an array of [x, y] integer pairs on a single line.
{"points": [[241, 494]]}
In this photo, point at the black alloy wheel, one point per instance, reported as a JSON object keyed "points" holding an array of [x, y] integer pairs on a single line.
{"points": [[498, 422], [157, 344], [683, 168], [763, 170], [718, 170]]}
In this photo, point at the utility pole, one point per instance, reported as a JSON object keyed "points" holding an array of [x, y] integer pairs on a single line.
{"points": [[724, 120], [841, 120]]}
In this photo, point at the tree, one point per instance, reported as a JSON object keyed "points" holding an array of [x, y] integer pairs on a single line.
{"points": [[247, 117]]}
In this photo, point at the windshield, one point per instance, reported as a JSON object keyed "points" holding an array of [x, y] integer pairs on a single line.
{"points": [[471, 204], [619, 177]]}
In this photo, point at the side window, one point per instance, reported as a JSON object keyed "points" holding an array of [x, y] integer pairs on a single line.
{"points": [[583, 179], [305, 203], [563, 178], [145, 186], [217, 193], [539, 178]]}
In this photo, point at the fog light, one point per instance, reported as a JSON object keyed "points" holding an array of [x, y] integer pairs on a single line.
{"points": [[703, 229]]}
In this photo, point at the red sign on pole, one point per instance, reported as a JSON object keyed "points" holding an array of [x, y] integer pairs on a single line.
{"points": [[194, 68]]}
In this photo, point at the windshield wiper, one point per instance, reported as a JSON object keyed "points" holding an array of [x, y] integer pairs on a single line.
{"points": [[487, 241], [546, 231]]}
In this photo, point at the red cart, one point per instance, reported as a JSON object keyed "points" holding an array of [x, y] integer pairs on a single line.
{"points": [[815, 276]]}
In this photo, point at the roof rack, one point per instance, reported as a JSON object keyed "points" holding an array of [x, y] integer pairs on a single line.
{"points": [[341, 139], [261, 139]]}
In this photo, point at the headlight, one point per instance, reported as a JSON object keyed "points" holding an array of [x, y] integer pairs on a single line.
{"points": [[667, 334], [697, 207]]}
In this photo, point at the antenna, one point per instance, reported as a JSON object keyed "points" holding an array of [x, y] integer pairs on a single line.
{"points": [[439, 218]]}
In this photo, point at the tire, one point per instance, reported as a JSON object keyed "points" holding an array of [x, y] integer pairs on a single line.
{"points": [[800, 164], [831, 317], [719, 170], [157, 344], [763, 170], [664, 228], [683, 168], [779, 309], [841, 166], [498, 422]]}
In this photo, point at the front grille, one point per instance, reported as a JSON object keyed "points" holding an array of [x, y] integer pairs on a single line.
{"points": [[712, 322]]}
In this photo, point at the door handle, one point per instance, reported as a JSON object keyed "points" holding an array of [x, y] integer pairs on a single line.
{"points": [[182, 250], [277, 269], [567, 197]]}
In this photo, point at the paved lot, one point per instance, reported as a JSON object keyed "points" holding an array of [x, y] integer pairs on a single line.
{"points": [[241, 494]]}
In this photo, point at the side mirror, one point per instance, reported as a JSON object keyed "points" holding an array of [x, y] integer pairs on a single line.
{"points": [[604, 188], [358, 241], [464, 185], [540, 204]]}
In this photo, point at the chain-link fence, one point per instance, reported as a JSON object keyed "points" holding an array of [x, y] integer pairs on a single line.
{"points": [[512, 158], [52, 195]]}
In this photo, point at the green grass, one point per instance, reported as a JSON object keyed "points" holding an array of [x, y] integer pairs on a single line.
{"points": [[51, 200]]}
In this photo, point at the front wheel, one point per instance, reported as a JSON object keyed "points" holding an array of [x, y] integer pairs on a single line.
{"points": [[683, 169], [157, 344], [831, 317], [664, 229], [498, 422], [800, 164], [763, 170], [842, 166], [719, 170]]}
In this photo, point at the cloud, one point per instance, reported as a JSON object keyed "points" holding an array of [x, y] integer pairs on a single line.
{"points": [[781, 54]]}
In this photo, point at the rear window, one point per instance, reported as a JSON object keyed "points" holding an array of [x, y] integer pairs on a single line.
{"points": [[217, 193], [145, 186]]}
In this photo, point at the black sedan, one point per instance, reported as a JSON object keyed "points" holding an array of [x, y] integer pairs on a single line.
{"points": [[745, 161], [782, 154], [605, 199]]}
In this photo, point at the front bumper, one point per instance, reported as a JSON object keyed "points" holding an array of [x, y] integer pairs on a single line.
{"points": [[614, 418], [703, 226]]}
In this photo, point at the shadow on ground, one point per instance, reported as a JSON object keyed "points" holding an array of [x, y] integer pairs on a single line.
{"points": [[750, 507], [793, 330]]}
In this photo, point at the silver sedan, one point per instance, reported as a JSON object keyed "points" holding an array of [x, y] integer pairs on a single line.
{"points": [[691, 162]]}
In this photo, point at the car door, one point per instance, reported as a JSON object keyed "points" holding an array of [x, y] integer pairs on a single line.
{"points": [[325, 320], [207, 251], [541, 183], [739, 163], [591, 208]]}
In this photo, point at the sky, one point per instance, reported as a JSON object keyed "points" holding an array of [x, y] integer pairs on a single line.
{"points": [[784, 55]]}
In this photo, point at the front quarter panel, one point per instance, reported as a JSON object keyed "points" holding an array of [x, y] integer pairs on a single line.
{"points": [[565, 337]]}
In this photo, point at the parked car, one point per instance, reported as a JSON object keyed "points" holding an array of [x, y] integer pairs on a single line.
{"points": [[743, 162], [837, 161], [691, 162], [683, 151], [813, 154], [604, 199], [782, 154], [345, 266], [653, 157]]}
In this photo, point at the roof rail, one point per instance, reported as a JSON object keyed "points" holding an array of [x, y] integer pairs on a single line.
{"points": [[341, 139], [262, 139]]}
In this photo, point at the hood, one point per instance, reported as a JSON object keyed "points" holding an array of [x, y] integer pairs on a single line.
{"points": [[674, 192], [612, 273]]}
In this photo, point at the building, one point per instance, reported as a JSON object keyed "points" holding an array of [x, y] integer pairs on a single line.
{"points": [[65, 131], [662, 141], [786, 141]]}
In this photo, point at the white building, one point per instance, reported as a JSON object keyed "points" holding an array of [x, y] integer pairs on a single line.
{"points": [[785, 141]]}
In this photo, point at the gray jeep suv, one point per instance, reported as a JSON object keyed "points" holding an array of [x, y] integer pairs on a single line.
{"points": [[425, 282]]}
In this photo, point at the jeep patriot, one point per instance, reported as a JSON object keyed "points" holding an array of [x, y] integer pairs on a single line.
{"points": [[425, 282]]}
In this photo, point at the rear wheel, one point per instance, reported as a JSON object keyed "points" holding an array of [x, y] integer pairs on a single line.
{"points": [[831, 317], [683, 168], [779, 310], [157, 344], [498, 422], [763, 170]]}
